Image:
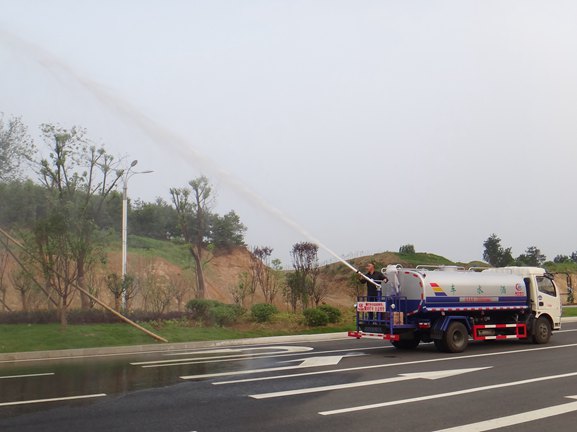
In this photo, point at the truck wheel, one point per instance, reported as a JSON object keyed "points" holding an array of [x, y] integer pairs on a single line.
{"points": [[440, 345], [407, 344], [456, 338], [542, 331]]}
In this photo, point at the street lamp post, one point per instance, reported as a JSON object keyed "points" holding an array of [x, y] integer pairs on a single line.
{"points": [[127, 175]]}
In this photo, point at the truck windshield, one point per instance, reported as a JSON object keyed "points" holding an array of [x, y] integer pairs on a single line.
{"points": [[545, 285]]}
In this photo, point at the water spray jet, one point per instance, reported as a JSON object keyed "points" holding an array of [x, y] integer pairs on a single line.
{"points": [[161, 135]]}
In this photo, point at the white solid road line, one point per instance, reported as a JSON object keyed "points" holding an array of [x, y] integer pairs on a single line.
{"points": [[310, 362], [443, 395], [51, 400], [515, 419], [404, 377], [27, 376], [286, 351], [351, 369]]}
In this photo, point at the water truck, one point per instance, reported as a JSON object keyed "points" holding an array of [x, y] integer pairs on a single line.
{"points": [[448, 305]]}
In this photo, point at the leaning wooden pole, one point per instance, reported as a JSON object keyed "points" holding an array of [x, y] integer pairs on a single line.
{"points": [[95, 299]]}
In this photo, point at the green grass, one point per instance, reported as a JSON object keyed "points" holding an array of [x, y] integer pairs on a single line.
{"points": [[173, 252], [47, 337]]}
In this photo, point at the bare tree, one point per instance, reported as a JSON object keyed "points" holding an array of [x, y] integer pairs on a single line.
{"points": [[156, 292], [264, 274], [240, 291], [178, 286]]}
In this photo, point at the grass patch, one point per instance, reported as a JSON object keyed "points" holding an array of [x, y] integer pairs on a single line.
{"points": [[47, 337]]}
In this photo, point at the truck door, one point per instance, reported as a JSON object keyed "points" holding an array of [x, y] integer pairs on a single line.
{"points": [[548, 299]]}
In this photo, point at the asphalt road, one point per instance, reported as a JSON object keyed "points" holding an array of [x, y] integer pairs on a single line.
{"points": [[320, 385]]}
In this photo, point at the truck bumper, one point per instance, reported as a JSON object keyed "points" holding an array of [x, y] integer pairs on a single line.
{"points": [[385, 336]]}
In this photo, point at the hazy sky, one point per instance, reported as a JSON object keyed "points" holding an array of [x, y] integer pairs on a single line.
{"points": [[370, 124]]}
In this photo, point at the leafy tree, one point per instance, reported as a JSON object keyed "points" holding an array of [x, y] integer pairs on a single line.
{"points": [[15, 147], [559, 259], [158, 220], [574, 257], [226, 231], [78, 179], [193, 205], [306, 268], [407, 249], [531, 257], [494, 253]]}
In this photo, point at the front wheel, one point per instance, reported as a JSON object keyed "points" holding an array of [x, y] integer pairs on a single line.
{"points": [[542, 331], [456, 338]]}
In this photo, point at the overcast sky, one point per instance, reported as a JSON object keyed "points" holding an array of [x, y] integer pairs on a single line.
{"points": [[366, 124]]}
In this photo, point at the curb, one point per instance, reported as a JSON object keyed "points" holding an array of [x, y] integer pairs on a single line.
{"points": [[159, 348]]}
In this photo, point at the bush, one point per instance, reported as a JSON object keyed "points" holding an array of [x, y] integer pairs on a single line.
{"points": [[263, 312], [212, 312], [332, 312], [224, 314], [199, 308], [315, 317]]}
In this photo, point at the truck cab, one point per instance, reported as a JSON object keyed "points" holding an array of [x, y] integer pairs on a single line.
{"points": [[544, 296]]}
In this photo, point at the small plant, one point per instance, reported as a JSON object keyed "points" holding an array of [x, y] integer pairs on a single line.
{"points": [[315, 317], [263, 312], [332, 312], [199, 308], [224, 314]]}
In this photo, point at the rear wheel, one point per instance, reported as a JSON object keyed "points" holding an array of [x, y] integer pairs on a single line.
{"points": [[456, 338], [440, 345], [542, 331], [409, 343]]}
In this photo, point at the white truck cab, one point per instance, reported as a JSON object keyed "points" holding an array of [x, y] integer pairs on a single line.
{"points": [[544, 295]]}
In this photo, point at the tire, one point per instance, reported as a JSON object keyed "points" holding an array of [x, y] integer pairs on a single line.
{"points": [[440, 345], [407, 344], [456, 338], [542, 331]]}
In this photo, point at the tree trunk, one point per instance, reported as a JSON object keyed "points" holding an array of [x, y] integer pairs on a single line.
{"points": [[200, 289], [63, 313]]}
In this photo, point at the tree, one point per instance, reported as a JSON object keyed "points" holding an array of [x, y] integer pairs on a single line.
{"points": [[531, 257], [78, 178], [407, 249], [574, 257], [494, 253], [264, 274], [157, 220], [15, 147], [306, 270], [560, 259], [226, 231], [193, 207]]}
